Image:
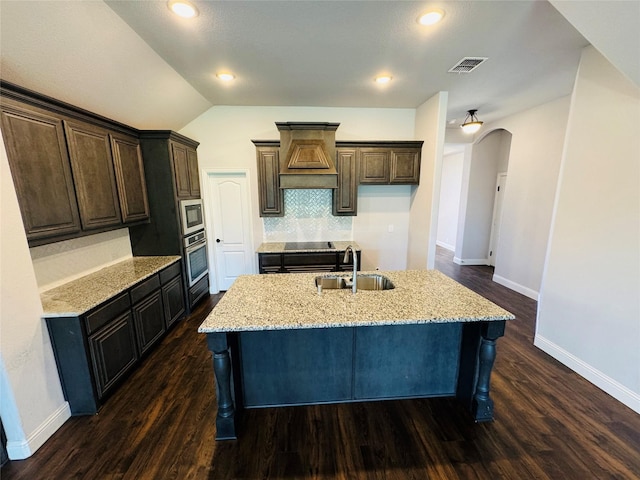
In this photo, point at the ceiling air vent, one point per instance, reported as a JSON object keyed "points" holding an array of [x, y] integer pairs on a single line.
{"points": [[467, 64]]}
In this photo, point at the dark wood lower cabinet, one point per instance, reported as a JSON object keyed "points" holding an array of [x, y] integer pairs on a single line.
{"points": [[198, 291], [113, 352], [305, 262], [149, 321], [173, 300], [94, 352]]}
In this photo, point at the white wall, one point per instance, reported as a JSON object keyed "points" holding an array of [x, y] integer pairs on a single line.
{"points": [[225, 135], [450, 191], [423, 215], [382, 224], [589, 309], [488, 158], [32, 405], [61, 262], [534, 161]]}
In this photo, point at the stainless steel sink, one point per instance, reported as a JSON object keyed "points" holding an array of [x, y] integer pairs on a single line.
{"points": [[374, 282], [332, 282], [371, 281]]}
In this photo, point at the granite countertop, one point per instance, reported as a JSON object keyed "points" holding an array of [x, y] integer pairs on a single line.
{"points": [[81, 295], [291, 301], [279, 247]]}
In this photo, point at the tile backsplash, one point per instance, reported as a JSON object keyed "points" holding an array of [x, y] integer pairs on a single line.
{"points": [[307, 217]]}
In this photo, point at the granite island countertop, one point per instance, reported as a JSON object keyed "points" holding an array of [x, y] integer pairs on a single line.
{"points": [[78, 296], [291, 301], [279, 247]]}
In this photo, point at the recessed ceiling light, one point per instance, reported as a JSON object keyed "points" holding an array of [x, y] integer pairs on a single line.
{"points": [[382, 79], [431, 17], [183, 8], [225, 76]]}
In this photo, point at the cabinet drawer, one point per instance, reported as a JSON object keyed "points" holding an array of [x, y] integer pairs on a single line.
{"points": [[304, 259], [199, 290], [270, 259], [145, 288], [270, 262], [169, 272], [106, 313]]}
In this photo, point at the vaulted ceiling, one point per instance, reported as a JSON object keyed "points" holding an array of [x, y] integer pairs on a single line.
{"points": [[136, 62]]}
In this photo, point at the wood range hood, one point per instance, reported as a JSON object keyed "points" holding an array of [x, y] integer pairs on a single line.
{"points": [[308, 150]]}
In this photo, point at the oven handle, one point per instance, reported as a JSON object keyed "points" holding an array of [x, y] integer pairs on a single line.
{"points": [[193, 246]]}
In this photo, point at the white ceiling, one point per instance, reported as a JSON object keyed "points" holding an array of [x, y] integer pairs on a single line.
{"points": [[135, 62], [326, 53]]}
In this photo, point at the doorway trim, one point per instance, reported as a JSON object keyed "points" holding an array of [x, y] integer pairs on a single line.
{"points": [[496, 223], [206, 174]]}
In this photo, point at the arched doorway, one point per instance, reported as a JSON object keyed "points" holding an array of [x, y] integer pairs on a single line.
{"points": [[482, 163]]}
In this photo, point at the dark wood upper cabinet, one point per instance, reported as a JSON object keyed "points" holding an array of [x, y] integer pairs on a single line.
{"points": [[185, 168], [37, 154], [93, 174], [374, 165], [405, 166], [270, 195], [398, 165], [180, 170], [345, 197], [194, 175], [75, 173], [372, 162], [132, 187]]}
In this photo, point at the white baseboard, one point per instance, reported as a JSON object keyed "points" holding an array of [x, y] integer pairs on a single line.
{"points": [[470, 261], [526, 291], [618, 391], [446, 246], [24, 449]]}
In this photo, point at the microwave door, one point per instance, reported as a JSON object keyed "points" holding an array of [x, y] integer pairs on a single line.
{"points": [[192, 215]]}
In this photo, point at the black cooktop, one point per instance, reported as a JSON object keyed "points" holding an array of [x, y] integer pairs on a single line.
{"points": [[308, 245]]}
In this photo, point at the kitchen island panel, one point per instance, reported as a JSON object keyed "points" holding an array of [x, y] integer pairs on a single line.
{"points": [[406, 361], [294, 367]]}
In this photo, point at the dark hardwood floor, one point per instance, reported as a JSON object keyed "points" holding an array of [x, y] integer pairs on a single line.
{"points": [[549, 423]]}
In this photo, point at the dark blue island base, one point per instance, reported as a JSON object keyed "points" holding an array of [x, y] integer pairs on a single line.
{"points": [[351, 364]]}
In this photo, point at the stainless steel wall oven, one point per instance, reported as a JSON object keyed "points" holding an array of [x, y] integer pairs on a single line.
{"points": [[195, 253]]}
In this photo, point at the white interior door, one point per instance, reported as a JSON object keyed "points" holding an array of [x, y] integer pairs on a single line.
{"points": [[229, 226], [501, 185]]}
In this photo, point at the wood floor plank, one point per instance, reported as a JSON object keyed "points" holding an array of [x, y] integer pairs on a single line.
{"points": [[160, 424]]}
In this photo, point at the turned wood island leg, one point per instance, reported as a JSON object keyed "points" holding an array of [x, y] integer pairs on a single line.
{"points": [[477, 354], [222, 368], [482, 405]]}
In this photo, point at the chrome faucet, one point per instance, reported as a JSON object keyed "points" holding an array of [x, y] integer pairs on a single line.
{"points": [[354, 287]]}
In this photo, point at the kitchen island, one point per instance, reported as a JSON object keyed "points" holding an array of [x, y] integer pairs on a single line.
{"points": [[278, 340]]}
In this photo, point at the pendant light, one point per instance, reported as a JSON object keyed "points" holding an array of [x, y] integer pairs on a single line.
{"points": [[471, 123]]}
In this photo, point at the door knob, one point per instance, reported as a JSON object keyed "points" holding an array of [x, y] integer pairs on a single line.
{"points": [[218, 240]]}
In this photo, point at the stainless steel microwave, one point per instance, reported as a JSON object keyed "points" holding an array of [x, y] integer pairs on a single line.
{"points": [[192, 214]]}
